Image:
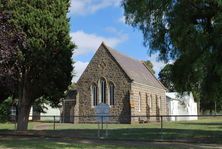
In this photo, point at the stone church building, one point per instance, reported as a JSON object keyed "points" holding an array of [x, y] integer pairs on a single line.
{"points": [[125, 84]]}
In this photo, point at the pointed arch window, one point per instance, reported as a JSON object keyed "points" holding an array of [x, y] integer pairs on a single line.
{"points": [[94, 94], [103, 90], [111, 93]]}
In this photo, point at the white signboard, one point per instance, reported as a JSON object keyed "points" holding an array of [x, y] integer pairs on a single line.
{"points": [[102, 112]]}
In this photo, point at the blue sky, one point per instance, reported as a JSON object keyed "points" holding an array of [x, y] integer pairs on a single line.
{"points": [[94, 21]]}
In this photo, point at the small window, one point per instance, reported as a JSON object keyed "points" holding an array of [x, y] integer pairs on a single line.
{"points": [[103, 90], [111, 93], [139, 103], [157, 102], [150, 101], [94, 94]]}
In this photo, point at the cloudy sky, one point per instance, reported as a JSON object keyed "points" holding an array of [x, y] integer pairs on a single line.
{"points": [[94, 21]]}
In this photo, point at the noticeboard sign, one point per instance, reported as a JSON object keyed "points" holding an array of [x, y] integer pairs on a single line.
{"points": [[102, 112]]}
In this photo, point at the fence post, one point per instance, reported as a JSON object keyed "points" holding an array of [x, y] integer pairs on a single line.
{"points": [[161, 118], [102, 122], [53, 122]]}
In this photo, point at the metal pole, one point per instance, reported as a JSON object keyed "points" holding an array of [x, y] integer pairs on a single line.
{"points": [[98, 129], [53, 122], [106, 129], [102, 122], [161, 118], [161, 122], [64, 103], [215, 104]]}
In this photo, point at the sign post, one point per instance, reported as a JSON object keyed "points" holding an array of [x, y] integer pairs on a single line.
{"points": [[102, 116]]}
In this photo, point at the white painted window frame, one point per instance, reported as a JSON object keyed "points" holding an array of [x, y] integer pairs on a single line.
{"points": [[93, 95]]}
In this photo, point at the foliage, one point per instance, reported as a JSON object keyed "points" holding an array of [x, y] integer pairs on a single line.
{"points": [[165, 77], [188, 31], [39, 105], [10, 41], [47, 58], [44, 63], [72, 86], [5, 110], [149, 65]]}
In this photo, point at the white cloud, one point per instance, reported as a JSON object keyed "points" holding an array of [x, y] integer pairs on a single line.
{"points": [[87, 43], [157, 65], [79, 68], [122, 19], [84, 7]]}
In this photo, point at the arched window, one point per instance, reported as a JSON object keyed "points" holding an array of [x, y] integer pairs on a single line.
{"points": [[139, 103], [94, 94], [103, 90], [111, 93]]}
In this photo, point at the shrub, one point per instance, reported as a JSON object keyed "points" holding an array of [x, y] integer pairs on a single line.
{"points": [[5, 110]]}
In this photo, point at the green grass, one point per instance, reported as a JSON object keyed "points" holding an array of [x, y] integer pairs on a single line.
{"points": [[204, 129], [33, 143]]}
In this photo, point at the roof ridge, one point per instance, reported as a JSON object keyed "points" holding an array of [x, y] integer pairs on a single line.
{"points": [[109, 48]]}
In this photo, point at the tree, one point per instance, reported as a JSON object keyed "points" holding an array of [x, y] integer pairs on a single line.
{"points": [[166, 78], [149, 65], [187, 31], [10, 41], [45, 63]]}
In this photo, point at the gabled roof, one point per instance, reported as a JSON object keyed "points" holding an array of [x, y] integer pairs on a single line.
{"points": [[71, 94], [136, 70]]}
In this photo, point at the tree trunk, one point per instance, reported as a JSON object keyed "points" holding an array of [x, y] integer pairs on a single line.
{"points": [[24, 104], [198, 108], [23, 116]]}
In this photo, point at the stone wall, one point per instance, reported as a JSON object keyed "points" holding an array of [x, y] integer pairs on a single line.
{"points": [[153, 102], [103, 65]]}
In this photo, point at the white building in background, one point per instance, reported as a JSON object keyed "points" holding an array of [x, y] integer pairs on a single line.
{"points": [[49, 114], [181, 105]]}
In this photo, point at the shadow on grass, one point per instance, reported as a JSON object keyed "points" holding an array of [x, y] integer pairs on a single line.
{"points": [[40, 143], [203, 123], [134, 134]]}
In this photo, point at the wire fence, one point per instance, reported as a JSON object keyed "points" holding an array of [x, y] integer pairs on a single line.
{"points": [[161, 127]]}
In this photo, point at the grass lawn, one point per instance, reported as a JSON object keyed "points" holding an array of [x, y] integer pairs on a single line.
{"points": [[47, 143], [204, 129], [44, 144]]}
